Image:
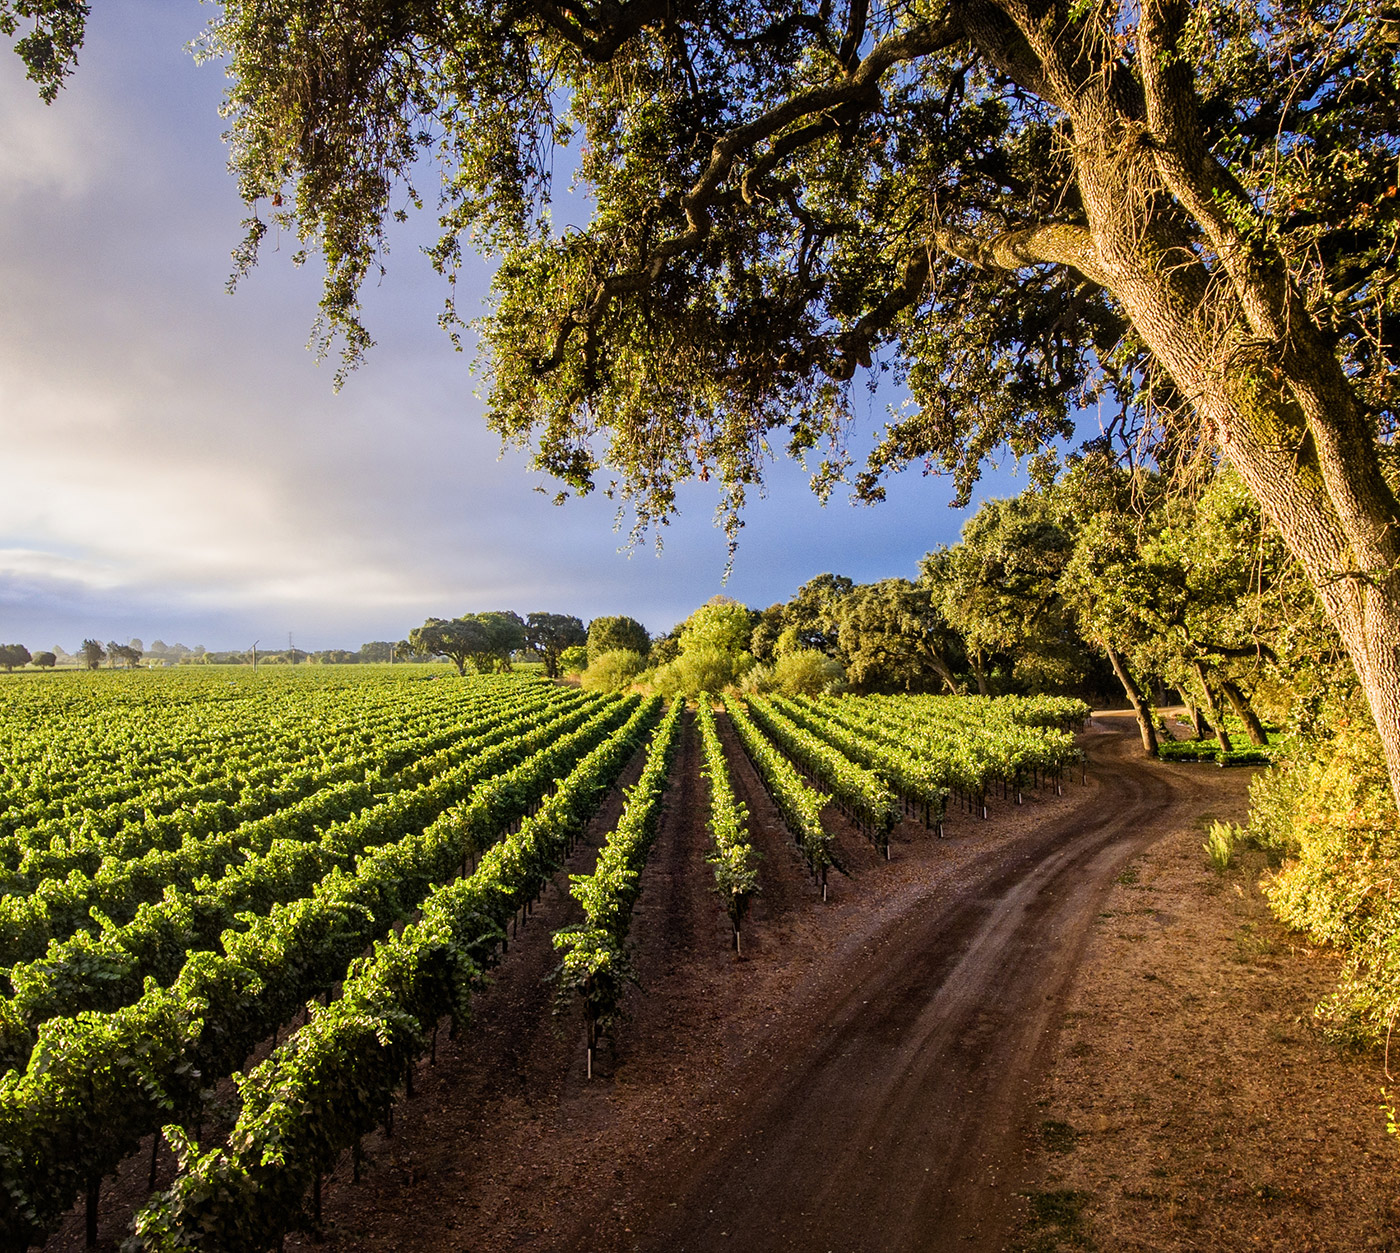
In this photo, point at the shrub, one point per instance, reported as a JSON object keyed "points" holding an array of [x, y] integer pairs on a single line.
{"points": [[613, 670], [695, 671], [807, 672], [1221, 839], [1330, 808], [573, 660]]}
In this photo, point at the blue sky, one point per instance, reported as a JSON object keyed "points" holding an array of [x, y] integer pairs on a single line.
{"points": [[177, 465]]}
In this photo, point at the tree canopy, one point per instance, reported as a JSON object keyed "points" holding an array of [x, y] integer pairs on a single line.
{"points": [[1185, 213]]}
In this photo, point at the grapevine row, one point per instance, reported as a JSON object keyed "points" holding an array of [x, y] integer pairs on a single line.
{"points": [[595, 963], [107, 971], [734, 859], [862, 794], [336, 1079], [799, 805], [98, 1083]]}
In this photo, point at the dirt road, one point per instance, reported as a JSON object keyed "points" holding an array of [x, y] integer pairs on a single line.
{"points": [[900, 1126]]}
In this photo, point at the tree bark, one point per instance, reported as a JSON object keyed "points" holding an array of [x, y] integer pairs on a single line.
{"points": [[1201, 729], [975, 657], [1244, 711], [1134, 694]]}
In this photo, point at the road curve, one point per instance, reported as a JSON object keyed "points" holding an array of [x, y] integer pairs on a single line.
{"points": [[901, 1126]]}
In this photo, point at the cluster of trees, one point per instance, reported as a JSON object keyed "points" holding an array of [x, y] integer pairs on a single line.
{"points": [[1100, 582], [489, 641]]}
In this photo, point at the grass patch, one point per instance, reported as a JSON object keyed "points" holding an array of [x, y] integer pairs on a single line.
{"points": [[1055, 1221], [1058, 1137]]}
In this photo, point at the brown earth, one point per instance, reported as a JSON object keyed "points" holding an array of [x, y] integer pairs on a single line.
{"points": [[966, 1047]]}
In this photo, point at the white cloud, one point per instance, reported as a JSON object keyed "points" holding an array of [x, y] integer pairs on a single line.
{"points": [[45, 149]]}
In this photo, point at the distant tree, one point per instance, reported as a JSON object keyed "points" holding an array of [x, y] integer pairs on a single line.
{"points": [[667, 648], [124, 655], [455, 639], [712, 649], [999, 591], [45, 661], [808, 620], [136, 644], [92, 653], [549, 634], [574, 660], [12, 655], [505, 636], [721, 623], [377, 650], [608, 635], [336, 657]]}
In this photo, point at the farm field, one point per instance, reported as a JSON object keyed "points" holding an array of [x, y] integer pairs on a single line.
{"points": [[190, 859]]}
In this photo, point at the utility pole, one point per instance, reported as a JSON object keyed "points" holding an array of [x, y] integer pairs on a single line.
{"points": [[255, 656]]}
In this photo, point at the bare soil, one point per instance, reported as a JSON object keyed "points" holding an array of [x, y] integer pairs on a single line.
{"points": [[1191, 1102], [1053, 1028]]}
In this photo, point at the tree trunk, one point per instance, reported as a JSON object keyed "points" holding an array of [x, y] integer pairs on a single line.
{"points": [[1134, 693], [1217, 715], [1200, 728], [979, 673], [1224, 318], [1244, 711]]}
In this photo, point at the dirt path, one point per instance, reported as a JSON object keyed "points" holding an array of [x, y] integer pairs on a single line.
{"points": [[901, 1123]]}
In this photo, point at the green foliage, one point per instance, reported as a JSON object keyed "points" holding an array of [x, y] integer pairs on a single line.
{"points": [[722, 624], [573, 660], [799, 804], [55, 33], [12, 655], [893, 636], [487, 640], [806, 672], [733, 858], [701, 669], [595, 963], [550, 636], [1328, 806], [1221, 839], [612, 671], [616, 634]]}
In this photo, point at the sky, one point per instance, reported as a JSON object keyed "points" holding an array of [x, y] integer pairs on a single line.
{"points": [[175, 464]]}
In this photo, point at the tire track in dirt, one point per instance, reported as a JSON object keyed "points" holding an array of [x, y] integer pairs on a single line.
{"points": [[901, 1125]]}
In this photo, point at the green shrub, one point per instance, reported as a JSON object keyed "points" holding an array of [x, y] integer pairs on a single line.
{"points": [[573, 660], [1329, 808], [1221, 838], [807, 672], [694, 671], [612, 671]]}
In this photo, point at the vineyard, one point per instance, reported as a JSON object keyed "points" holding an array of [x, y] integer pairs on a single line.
{"points": [[239, 909]]}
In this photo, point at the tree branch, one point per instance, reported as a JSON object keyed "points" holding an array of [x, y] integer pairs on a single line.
{"points": [[858, 87], [1053, 243]]}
